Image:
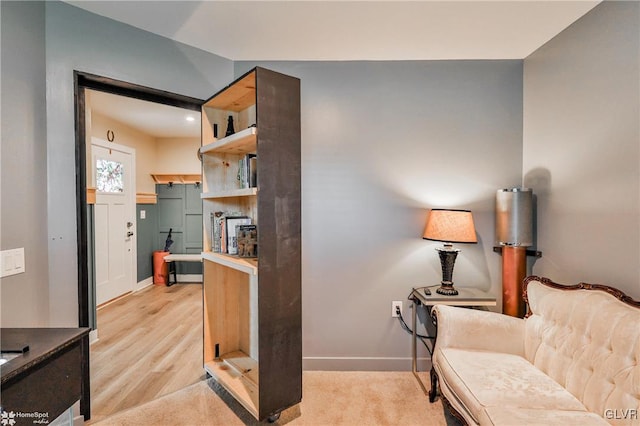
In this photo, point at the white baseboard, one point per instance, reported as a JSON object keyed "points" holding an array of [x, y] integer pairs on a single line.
{"points": [[144, 283], [93, 336], [189, 278], [363, 364]]}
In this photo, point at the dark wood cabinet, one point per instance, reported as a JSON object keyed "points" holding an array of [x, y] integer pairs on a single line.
{"points": [[252, 306], [48, 378]]}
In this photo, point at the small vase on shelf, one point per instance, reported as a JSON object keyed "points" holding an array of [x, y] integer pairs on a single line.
{"points": [[230, 129]]}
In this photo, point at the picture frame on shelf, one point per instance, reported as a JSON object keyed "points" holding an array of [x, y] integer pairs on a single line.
{"points": [[247, 240], [231, 224]]}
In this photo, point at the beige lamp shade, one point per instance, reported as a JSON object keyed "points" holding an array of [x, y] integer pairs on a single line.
{"points": [[450, 226]]}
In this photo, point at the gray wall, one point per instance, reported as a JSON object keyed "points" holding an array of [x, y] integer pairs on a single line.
{"points": [[79, 40], [147, 241], [24, 297], [581, 148], [382, 143]]}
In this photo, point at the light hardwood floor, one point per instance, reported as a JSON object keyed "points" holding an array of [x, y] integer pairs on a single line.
{"points": [[150, 344]]}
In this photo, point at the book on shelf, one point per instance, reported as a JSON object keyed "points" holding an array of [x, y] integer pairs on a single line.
{"points": [[215, 231], [248, 171], [252, 170], [218, 230], [232, 222], [223, 237], [247, 240]]}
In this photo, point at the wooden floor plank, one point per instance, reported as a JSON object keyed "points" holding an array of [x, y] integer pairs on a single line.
{"points": [[150, 344]]}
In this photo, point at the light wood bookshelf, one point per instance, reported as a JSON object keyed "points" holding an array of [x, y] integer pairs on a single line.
{"points": [[252, 306]]}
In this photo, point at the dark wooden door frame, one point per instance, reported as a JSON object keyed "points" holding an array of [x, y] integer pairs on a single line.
{"points": [[84, 81]]}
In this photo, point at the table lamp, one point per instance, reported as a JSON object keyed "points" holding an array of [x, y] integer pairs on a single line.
{"points": [[449, 226]]}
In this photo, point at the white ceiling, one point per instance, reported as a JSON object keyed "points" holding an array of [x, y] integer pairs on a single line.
{"points": [[157, 120], [352, 30], [334, 30]]}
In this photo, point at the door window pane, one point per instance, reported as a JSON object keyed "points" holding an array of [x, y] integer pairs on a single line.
{"points": [[109, 176]]}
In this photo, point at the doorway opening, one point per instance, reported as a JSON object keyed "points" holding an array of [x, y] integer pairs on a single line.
{"points": [[83, 82], [87, 85]]}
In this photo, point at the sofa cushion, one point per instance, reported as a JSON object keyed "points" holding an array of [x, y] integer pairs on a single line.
{"points": [[479, 379], [531, 417], [589, 342]]}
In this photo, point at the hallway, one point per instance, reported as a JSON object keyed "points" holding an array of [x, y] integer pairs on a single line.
{"points": [[150, 344]]}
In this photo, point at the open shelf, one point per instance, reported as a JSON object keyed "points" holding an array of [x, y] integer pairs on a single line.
{"points": [[242, 364], [237, 96], [176, 178], [238, 373], [244, 192], [248, 265], [241, 142]]}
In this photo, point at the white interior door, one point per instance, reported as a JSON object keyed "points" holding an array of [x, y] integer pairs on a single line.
{"points": [[115, 218]]}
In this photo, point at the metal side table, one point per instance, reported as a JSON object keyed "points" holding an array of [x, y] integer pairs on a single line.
{"points": [[467, 297]]}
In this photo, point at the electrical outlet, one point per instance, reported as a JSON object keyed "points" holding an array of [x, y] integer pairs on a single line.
{"points": [[396, 304]]}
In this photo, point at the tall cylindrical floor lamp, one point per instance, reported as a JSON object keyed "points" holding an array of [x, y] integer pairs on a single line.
{"points": [[514, 233]]}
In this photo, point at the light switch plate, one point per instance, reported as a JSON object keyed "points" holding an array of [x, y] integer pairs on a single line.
{"points": [[143, 214], [12, 262]]}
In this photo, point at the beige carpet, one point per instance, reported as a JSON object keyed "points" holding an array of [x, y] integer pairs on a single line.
{"points": [[328, 398]]}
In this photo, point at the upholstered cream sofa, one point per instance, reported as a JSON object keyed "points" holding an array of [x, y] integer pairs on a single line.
{"points": [[574, 360]]}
